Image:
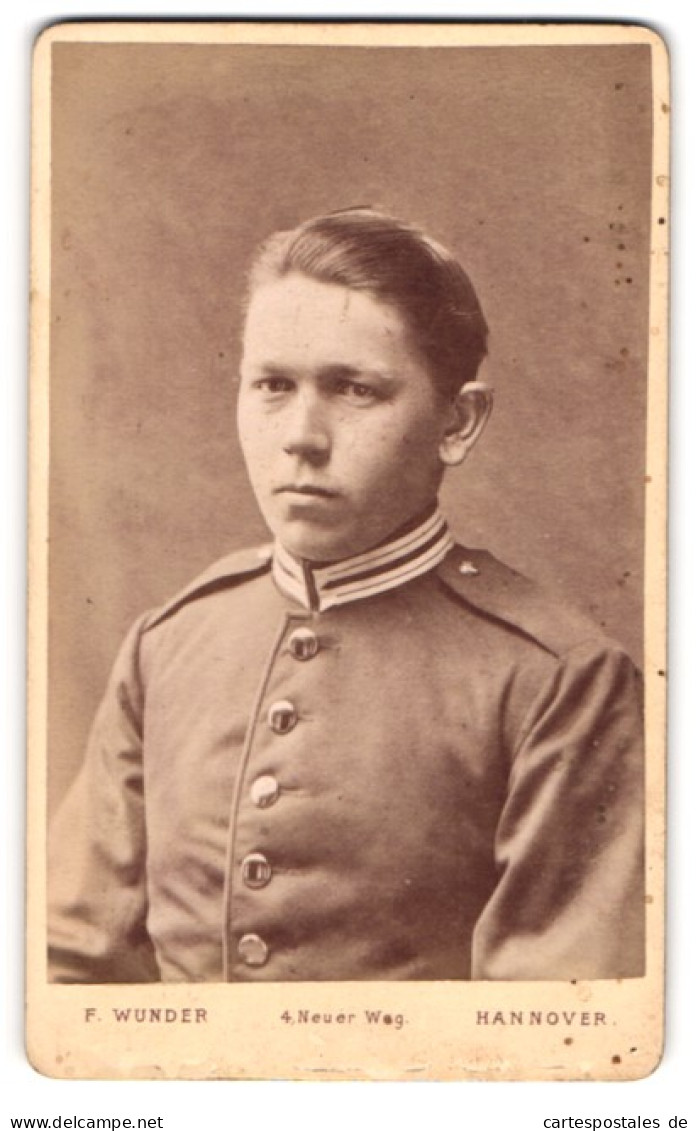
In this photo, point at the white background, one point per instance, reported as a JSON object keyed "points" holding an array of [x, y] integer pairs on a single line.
{"points": [[280, 1105]]}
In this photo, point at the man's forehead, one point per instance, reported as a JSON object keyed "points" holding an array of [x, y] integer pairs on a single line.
{"points": [[298, 297], [296, 322]]}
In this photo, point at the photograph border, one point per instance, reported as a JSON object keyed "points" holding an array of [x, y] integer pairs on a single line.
{"points": [[433, 1045]]}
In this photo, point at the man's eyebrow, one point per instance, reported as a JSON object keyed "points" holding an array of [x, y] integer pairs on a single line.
{"points": [[266, 370], [331, 372], [352, 372]]}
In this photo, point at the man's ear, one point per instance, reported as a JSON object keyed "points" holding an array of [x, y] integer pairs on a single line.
{"points": [[470, 411]]}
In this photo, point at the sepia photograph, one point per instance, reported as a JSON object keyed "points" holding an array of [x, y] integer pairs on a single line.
{"points": [[347, 556]]}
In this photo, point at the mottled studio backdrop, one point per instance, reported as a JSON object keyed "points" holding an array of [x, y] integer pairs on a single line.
{"points": [[171, 162]]}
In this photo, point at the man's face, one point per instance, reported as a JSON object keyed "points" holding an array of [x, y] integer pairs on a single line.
{"points": [[339, 421]]}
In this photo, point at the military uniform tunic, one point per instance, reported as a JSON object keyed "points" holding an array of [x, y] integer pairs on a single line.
{"points": [[440, 780]]}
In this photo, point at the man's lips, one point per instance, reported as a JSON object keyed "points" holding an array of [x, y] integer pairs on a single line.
{"points": [[306, 489]]}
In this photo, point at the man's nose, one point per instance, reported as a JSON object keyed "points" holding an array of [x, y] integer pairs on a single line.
{"points": [[307, 429]]}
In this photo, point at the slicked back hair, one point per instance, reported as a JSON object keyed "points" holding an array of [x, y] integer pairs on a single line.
{"points": [[394, 263]]}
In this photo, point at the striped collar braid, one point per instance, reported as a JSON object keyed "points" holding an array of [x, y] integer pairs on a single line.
{"points": [[408, 554]]}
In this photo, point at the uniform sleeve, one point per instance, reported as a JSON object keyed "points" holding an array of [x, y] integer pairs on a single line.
{"points": [[97, 847], [569, 902]]}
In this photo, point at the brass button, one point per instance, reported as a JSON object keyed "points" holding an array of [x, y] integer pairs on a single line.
{"points": [[256, 870], [303, 644], [282, 716], [252, 950], [264, 791]]}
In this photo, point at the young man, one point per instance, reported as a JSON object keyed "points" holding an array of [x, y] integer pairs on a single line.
{"points": [[362, 752]]}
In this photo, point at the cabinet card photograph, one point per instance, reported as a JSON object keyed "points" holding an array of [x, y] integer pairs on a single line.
{"points": [[347, 551]]}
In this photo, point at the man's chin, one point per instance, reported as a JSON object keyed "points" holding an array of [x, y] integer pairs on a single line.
{"points": [[314, 550], [311, 543]]}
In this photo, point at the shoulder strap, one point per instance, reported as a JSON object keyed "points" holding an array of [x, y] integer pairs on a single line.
{"points": [[227, 571], [495, 590]]}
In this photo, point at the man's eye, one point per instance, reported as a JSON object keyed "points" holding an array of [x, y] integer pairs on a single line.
{"points": [[274, 385], [356, 391]]}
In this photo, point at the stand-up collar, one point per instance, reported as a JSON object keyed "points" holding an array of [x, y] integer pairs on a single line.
{"points": [[409, 553]]}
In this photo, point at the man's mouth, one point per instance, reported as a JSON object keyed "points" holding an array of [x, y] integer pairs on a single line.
{"points": [[306, 489]]}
